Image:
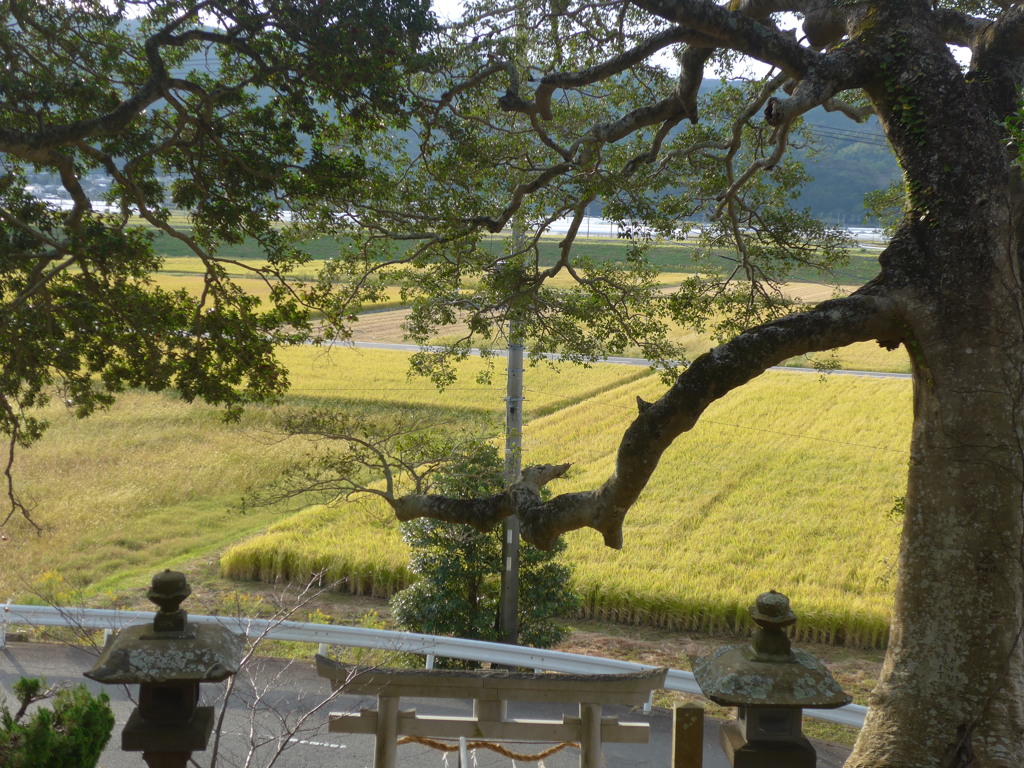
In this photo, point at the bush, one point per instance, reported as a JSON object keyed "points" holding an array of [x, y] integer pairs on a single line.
{"points": [[71, 734], [459, 585]]}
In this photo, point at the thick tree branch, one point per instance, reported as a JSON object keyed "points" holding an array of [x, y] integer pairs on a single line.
{"points": [[710, 377], [32, 145], [613, 66], [861, 317], [837, 71], [470, 82], [759, 9], [738, 31], [998, 64], [495, 225], [670, 109], [691, 75], [959, 28], [857, 114], [482, 514]]}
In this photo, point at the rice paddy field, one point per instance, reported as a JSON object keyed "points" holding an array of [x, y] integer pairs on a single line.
{"points": [[154, 482], [785, 484]]}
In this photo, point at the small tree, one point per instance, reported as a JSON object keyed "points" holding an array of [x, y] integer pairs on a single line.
{"points": [[70, 735], [359, 453], [458, 567]]}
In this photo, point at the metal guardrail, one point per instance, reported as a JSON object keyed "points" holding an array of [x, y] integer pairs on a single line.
{"points": [[387, 640]]}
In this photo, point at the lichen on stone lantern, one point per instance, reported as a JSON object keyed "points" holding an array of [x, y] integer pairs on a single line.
{"points": [[169, 658], [770, 683]]}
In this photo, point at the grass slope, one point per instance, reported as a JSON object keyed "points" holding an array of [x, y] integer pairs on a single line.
{"points": [[144, 486]]}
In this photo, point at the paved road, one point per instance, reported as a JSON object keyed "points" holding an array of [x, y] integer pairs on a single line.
{"points": [[624, 360], [291, 690]]}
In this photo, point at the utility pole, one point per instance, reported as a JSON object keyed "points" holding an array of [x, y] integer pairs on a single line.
{"points": [[508, 608], [508, 604]]}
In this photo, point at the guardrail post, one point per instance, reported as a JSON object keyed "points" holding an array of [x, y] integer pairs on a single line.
{"points": [[3, 623], [687, 736]]}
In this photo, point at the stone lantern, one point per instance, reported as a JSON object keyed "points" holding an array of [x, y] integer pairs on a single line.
{"points": [[770, 684], [169, 659]]}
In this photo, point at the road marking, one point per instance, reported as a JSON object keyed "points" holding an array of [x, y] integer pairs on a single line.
{"points": [[317, 743]]}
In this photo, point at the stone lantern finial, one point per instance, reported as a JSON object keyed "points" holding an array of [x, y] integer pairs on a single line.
{"points": [[169, 589]]}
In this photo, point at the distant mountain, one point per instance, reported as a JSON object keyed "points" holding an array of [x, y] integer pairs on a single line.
{"points": [[849, 160]]}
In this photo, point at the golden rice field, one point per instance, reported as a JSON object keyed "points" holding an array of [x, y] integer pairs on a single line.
{"points": [[146, 485], [371, 376], [785, 484], [152, 482], [192, 283]]}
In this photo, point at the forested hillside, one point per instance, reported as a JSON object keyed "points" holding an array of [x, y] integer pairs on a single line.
{"points": [[846, 160]]}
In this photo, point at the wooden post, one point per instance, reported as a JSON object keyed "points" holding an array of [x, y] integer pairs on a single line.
{"points": [[687, 736], [385, 750], [590, 736]]}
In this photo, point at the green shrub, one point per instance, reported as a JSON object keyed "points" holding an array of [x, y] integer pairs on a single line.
{"points": [[459, 584], [71, 734]]}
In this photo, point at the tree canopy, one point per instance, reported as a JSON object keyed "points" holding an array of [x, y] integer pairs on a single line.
{"points": [[523, 113], [574, 101], [233, 111]]}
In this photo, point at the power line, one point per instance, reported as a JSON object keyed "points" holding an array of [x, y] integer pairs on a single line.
{"points": [[849, 135]]}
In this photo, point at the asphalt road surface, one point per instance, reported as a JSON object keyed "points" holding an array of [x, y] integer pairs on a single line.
{"points": [[636, 361], [288, 692]]}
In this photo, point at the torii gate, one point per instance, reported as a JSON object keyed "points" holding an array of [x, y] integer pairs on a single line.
{"points": [[490, 690]]}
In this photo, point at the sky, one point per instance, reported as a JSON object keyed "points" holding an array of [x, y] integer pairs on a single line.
{"points": [[447, 10]]}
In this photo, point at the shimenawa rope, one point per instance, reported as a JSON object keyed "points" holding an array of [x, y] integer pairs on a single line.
{"points": [[435, 744]]}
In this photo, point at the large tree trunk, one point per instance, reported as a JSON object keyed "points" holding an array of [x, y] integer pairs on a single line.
{"points": [[952, 688], [951, 694]]}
